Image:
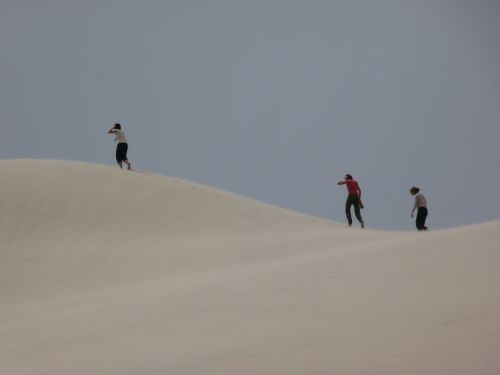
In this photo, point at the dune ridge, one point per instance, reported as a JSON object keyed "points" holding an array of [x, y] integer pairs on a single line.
{"points": [[103, 271]]}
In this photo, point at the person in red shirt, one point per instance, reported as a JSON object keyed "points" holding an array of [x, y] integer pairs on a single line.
{"points": [[353, 199]]}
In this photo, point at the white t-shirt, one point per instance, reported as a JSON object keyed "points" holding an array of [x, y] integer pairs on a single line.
{"points": [[420, 201], [120, 136]]}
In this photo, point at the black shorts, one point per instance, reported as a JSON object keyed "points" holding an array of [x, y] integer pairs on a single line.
{"points": [[121, 152]]}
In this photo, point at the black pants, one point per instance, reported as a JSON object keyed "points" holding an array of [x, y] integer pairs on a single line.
{"points": [[353, 200], [421, 216], [121, 152]]}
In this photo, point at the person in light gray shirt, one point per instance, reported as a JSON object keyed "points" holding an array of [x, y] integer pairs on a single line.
{"points": [[121, 145], [421, 207]]}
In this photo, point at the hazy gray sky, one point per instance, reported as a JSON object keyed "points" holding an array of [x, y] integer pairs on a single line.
{"points": [[274, 100]]}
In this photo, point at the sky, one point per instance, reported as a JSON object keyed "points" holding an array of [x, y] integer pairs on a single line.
{"points": [[270, 99]]}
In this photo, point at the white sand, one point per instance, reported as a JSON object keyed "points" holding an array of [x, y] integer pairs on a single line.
{"points": [[104, 271]]}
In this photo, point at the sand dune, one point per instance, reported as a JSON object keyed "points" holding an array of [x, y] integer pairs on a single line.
{"points": [[105, 271]]}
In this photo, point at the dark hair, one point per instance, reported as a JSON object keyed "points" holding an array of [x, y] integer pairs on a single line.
{"points": [[414, 190], [118, 126], [348, 177]]}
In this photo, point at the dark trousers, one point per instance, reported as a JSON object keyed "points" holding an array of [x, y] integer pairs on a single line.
{"points": [[353, 200], [121, 152], [421, 216]]}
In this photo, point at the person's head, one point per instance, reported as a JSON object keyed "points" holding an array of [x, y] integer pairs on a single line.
{"points": [[118, 126], [414, 190], [348, 177]]}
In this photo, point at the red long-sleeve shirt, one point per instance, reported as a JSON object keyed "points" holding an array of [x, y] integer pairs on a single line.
{"points": [[353, 187]]}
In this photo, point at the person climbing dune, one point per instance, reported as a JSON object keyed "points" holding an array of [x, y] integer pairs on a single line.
{"points": [[121, 146], [353, 199], [421, 206]]}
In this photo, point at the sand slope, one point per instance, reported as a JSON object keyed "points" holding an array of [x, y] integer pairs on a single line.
{"points": [[105, 271]]}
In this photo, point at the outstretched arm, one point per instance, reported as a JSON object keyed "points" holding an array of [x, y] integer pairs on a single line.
{"points": [[342, 182], [112, 130]]}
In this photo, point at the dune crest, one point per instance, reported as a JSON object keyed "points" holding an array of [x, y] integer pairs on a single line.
{"points": [[104, 271]]}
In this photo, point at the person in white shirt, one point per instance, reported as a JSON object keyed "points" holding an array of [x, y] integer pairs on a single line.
{"points": [[121, 145], [421, 207]]}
